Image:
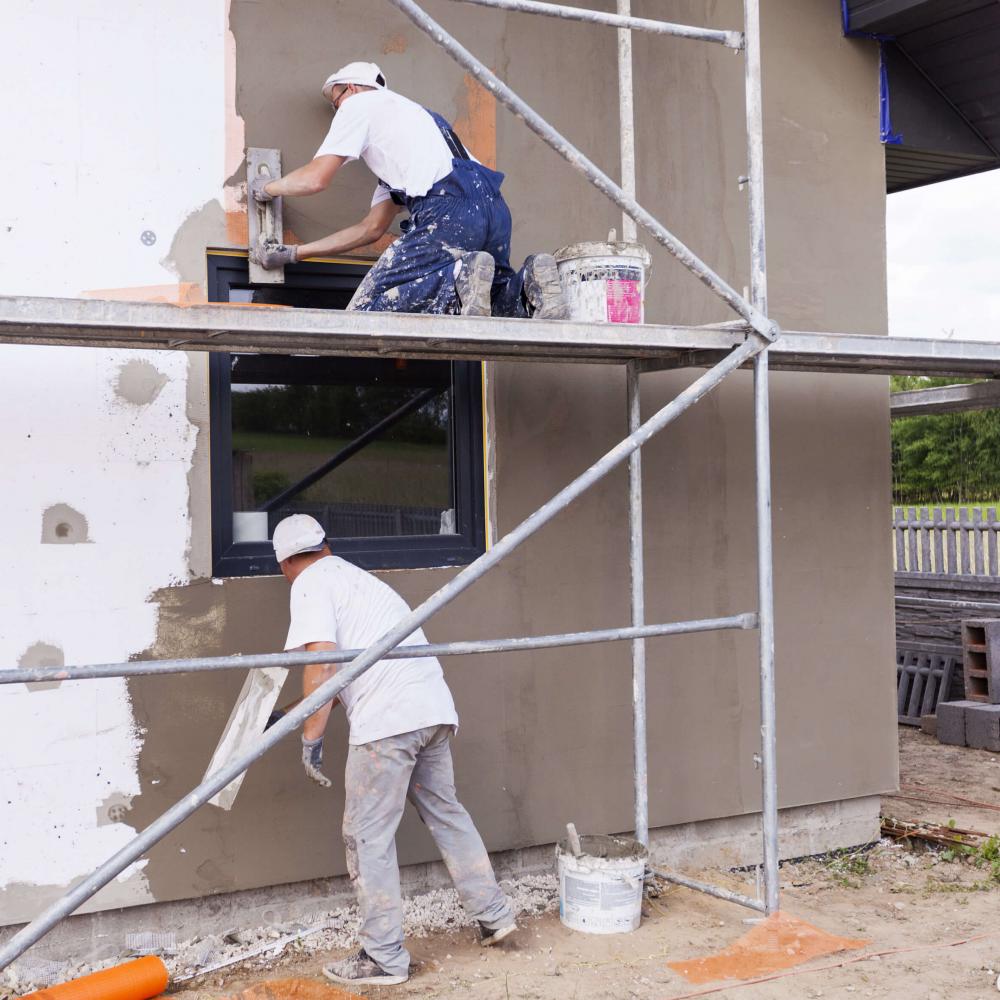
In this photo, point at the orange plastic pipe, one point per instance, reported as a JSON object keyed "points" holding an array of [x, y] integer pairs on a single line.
{"points": [[139, 980]]}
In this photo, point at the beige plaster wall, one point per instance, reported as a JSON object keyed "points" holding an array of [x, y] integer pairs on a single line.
{"points": [[546, 736]]}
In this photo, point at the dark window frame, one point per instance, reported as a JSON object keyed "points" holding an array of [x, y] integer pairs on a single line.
{"points": [[227, 269]]}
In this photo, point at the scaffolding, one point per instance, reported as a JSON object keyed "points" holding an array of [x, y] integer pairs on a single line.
{"points": [[752, 340]]}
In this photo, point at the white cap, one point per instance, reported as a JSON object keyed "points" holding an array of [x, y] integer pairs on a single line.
{"points": [[295, 534], [364, 74]]}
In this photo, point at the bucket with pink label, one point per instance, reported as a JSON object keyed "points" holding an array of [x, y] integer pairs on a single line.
{"points": [[604, 282]]}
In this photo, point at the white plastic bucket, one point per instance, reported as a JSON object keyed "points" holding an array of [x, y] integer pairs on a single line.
{"points": [[600, 892], [604, 282]]}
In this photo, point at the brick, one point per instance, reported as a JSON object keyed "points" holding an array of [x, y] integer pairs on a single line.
{"points": [[982, 727], [951, 721], [928, 723]]}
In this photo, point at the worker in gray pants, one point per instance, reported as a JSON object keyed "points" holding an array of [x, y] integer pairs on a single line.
{"points": [[402, 718]]}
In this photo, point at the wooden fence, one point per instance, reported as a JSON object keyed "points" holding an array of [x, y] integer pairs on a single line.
{"points": [[946, 541]]}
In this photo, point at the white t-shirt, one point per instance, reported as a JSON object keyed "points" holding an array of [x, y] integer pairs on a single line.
{"points": [[335, 601], [395, 136]]}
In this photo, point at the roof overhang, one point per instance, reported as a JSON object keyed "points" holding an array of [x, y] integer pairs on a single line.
{"points": [[941, 85]]}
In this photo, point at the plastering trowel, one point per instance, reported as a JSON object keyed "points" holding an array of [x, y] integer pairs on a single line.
{"points": [[251, 715]]}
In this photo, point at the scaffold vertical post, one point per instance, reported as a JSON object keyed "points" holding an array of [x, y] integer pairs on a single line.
{"points": [[637, 579], [626, 138], [762, 436], [626, 118]]}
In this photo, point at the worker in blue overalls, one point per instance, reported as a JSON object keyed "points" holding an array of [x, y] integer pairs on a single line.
{"points": [[454, 254]]}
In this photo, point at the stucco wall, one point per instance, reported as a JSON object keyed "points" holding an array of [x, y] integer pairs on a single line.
{"points": [[545, 736]]}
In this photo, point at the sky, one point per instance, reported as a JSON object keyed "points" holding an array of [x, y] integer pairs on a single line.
{"points": [[943, 250]]}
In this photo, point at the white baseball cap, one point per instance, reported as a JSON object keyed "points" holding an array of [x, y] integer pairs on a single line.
{"points": [[297, 533], [365, 74]]}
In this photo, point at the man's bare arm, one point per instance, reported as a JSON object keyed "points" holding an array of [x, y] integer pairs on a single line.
{"points": [[313, 676], [361, 234], [312, 178]]}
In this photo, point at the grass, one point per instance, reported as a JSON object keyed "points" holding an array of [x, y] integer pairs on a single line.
{"points": [[386, 472], [980, 505]]}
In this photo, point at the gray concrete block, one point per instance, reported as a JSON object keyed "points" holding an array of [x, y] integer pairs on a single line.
{"points": [[951, 721], [982, 727]]}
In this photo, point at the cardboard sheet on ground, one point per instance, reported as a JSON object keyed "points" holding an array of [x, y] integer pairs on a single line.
{"points": [[779, 942], [293, 989], [246, 724]]}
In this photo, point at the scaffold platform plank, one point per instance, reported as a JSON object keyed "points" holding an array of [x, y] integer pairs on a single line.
{"points": [[282, 330]]}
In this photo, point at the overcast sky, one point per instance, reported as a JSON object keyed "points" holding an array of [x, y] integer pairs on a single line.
{"points": [[944, 259]]}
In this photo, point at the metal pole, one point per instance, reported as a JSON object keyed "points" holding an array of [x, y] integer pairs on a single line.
{"points": [[732, 39], [626, 119], [581, 163], [637, 579], [626, 139], [178, 812], [709, 889], [762, 437], [154, 668]]}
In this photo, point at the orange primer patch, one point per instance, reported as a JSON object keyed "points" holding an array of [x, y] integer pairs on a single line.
{"points": [[293, 989], [394, 43], [476, 122], [184, 293], [779, 942]]}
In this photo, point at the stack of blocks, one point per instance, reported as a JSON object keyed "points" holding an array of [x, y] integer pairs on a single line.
{"points": [[975, 722]]}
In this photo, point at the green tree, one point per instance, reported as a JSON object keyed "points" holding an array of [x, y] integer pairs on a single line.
{"points": [[944, 458]]}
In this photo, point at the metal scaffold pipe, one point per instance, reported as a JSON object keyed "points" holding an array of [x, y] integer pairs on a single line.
{"points": [[711, 890], [576, 159], [257, 661], [637, 579], [626, 119], [762, 456], [623, 19], [198, 796]]}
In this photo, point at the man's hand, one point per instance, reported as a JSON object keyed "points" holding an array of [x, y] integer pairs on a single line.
{"points": [[312, 761], [270, 255], [257, 192]]}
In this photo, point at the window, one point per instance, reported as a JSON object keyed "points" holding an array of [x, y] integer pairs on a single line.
{"points": [[387, 453]]}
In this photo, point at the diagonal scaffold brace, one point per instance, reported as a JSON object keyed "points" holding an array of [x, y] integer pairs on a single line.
{"points": [[324, 694]]}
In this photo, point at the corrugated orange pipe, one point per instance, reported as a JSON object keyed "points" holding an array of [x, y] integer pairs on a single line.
{"points": [[139, 980]]}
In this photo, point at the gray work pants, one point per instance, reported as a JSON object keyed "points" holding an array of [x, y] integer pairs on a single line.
{"points": [[379, 778]]}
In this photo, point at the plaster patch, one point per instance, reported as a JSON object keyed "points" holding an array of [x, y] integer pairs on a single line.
{"points": [[62, 525], [394, 44], [139, 382], [42, 654]]}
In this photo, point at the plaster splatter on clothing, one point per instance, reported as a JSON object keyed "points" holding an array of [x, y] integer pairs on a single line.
{"points": [[463, 212]]}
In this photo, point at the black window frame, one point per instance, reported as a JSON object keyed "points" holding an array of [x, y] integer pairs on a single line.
{"points": [[229, 559]]}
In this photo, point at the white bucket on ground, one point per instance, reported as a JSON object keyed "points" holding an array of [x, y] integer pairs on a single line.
{"points": [[604, 282], [600, 892]]}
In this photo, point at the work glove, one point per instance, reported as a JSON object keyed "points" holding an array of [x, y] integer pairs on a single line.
{"points": [[257, 192], [272, 255], [312, 761]]}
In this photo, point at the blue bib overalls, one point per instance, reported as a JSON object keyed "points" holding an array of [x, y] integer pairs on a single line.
{"points": [[462, 212]]}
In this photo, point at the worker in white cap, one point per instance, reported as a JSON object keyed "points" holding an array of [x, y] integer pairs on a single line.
{"points": [[401, 718], [454, 254]]}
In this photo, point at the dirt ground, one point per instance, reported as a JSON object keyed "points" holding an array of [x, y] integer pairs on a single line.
{"points": [[901, 898]]}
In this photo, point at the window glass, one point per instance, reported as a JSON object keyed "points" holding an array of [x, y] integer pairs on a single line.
{"points": [[387, 453], [306, 439]]}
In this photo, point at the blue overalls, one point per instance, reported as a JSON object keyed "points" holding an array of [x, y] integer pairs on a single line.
{"points": [[462, 212]]}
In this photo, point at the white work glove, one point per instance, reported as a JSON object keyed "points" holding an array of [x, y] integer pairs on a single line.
{"points": [[257, 192], [272, 255], [312, 761]]}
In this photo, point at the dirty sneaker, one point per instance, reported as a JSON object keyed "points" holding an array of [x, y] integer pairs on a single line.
{"points": [[270, 255], [488, 938], [361, 970], [543, 289], [474, 282]]}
